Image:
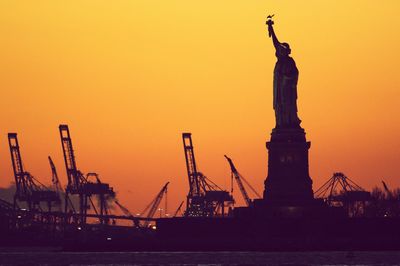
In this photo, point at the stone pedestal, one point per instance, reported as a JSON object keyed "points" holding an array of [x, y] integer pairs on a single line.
{"points": [[288, 182]]}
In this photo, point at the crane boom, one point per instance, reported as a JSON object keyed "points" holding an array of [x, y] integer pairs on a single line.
{"points": [[238, 179], [179, 209], [155, 203], [250, 186], [387, 190], [54, 176], [123, 209], [385, 186]]}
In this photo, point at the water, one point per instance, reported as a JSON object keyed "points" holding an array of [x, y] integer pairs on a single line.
{"points": [[38, 257]]}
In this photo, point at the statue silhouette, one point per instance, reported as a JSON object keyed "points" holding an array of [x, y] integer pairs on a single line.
{"points": [[288, 182], [285, 83]]}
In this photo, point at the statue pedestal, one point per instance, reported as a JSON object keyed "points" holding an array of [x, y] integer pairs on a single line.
{"points": [[288, 182]]}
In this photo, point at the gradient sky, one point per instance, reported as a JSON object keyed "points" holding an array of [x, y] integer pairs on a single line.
{"points": [[129, 77]]}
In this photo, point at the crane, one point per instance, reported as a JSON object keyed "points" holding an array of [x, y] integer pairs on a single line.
{"points": [[204, 198], [154, 204], [28, 189], [79, 184], [240, 179], [179, 209], [341, 191]]}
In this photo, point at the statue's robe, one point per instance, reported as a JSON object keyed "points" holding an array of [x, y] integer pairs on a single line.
{"points": [[285, 92]]}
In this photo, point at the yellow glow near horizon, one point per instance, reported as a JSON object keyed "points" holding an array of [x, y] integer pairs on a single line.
{"points": [[130, 76]]}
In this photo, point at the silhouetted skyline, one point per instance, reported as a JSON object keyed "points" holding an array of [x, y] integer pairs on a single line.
{"points": [[125, 77]]}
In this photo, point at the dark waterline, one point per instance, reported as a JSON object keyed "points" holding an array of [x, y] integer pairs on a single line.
{"points": [[196, 258]]}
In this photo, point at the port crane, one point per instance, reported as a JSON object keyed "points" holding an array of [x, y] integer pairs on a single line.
{"points": [[155, 203], [205, 198], [81, 185], [28, 188], [341, 191], [239, 180]]}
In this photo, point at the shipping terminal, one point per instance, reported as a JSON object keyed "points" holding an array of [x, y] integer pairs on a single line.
{"points": [[288, 215]]}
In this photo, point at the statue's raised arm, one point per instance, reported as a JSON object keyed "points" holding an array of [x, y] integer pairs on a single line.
{"points": [[271, 32], [282, 49]]}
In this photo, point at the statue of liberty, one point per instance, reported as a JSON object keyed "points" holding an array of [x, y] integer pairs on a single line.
{"points": [[285, 83], [288, 182]]}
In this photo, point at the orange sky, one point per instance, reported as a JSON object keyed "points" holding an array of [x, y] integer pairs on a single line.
{"points": [[130, 76]]}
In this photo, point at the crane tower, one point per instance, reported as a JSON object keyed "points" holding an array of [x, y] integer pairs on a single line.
{"points": [[79, 184], [28, 189], [205, 198]]}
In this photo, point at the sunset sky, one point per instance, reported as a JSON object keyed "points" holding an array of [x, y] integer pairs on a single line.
{"points": [[129, 77]]}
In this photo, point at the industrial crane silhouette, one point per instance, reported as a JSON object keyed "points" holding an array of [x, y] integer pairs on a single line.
{"points": [[80, 185], [28, 189], [205, 198], [155, 203], [340, 188], [240, 179], [341, 191]]}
